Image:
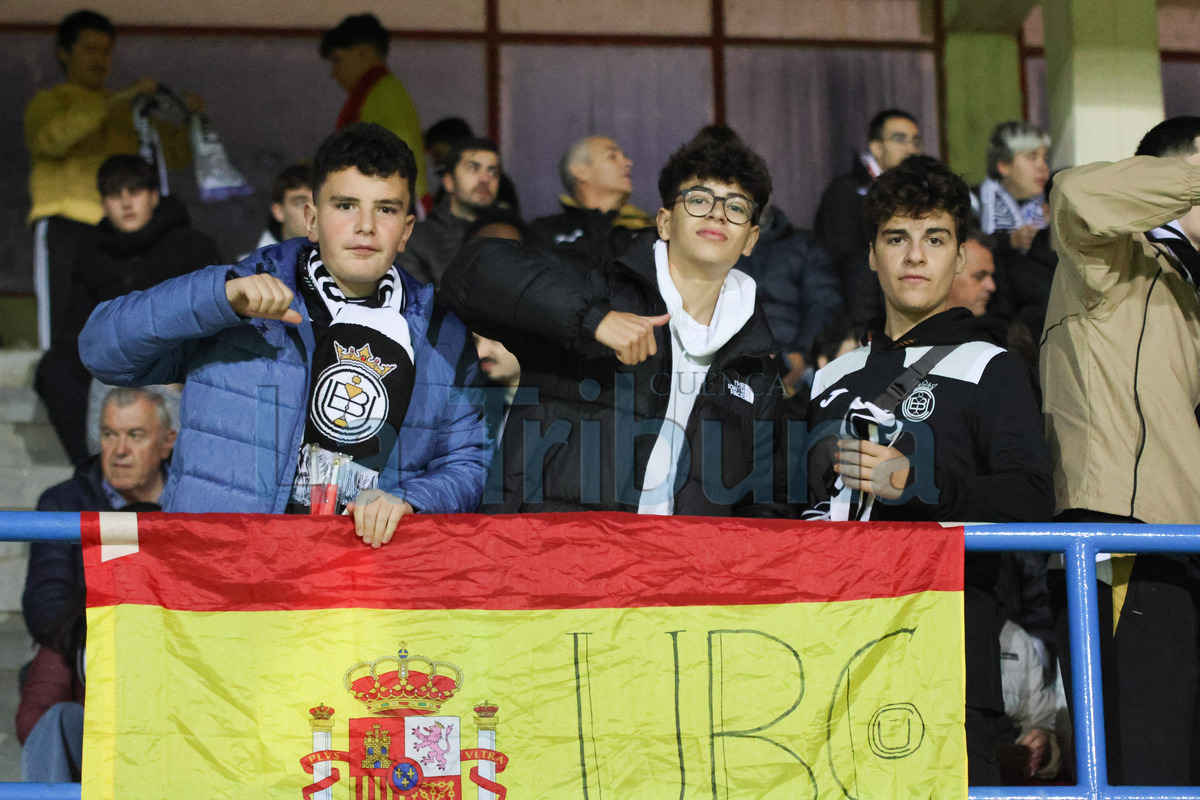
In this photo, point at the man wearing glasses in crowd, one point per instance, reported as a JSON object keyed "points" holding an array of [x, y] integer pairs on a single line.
{"points": [[651, 368], [892, 136]]}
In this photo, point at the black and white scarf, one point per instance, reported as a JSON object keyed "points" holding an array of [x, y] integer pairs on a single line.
{"points": [[216, 177], [1182, 255], [999, 211], [363, 368]]}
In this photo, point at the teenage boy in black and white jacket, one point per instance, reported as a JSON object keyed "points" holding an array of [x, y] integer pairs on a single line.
{"points": [[963, 442], [966, 440]]}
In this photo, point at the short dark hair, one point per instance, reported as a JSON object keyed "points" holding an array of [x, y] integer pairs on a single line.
{"points": [[77, 22], [449, 130], [705, 158], [125, 171], [354, 30], [294, 176], [369, 148], [1172, 137], [880, 120], [974, 233], [829, 340], [496, 215], [466, 146], [918, 186]]}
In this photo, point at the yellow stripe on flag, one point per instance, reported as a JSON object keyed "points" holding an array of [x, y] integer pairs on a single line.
{"points": [[759, 701]]}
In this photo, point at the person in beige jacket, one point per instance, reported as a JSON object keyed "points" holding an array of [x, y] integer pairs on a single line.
{"points": [[1121, 351], [1120, 367]]}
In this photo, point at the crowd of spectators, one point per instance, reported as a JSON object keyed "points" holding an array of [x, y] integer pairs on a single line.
{"points": [[989, 354]]}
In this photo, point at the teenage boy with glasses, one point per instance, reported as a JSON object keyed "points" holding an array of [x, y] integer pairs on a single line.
{"points": [[651, 369]]}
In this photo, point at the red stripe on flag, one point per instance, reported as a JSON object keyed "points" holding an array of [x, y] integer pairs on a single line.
{"points": [[225, 562]]}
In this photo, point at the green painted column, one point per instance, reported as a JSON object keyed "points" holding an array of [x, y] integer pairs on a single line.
{"points": [[1103, 76], [983, 88]]}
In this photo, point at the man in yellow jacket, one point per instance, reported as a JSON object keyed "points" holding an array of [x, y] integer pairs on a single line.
{"points": [[357, 54], [69, 130]]}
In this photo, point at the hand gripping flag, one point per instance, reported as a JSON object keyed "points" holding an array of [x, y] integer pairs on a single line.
{"points": [[526, 657]]}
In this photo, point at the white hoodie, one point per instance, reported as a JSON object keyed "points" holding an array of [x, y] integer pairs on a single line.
{"points": [[692, 349]]}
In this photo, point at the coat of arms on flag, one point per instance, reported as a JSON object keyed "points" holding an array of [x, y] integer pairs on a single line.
{"points": [[404, 749]]}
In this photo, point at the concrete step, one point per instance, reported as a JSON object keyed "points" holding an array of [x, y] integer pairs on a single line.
{"points": [[20, 486], [31, 445], [17, 365], [21, 404], [16, 646]]}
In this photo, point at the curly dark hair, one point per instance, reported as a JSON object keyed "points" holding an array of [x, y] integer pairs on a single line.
{"points": [[728, 162], [369, 148], [916, 187]]}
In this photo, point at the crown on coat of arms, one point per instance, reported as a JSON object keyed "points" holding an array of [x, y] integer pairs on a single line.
{"points": [[403, 690], [321, 712], [365, 357]]}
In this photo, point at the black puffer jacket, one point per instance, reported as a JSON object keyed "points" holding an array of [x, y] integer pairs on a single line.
{"points": [[597, 234], [586, 436]]}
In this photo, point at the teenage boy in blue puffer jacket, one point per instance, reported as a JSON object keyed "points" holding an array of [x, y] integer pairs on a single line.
{"points": [[311, 350]]}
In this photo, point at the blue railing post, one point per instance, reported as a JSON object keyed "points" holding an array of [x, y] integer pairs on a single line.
{"points": [[1084, 628]]}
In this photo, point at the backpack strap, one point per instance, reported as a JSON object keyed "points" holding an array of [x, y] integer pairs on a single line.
{"points": [[907, 381]]}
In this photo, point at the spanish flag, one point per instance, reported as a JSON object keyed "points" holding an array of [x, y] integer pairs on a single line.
{"points": [[526, 657]]}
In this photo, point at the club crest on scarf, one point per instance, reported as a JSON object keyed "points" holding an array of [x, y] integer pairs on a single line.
{"points": [[405, 748], [350, 402]]}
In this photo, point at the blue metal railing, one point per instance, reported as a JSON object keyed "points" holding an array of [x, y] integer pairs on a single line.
{"points": [[1079, 543]]}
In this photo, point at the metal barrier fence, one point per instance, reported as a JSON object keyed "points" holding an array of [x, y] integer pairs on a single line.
{"points": [[1079, 543]]}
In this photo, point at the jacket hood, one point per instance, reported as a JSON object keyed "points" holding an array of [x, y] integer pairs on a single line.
{"points": [[953, 326], [773, 225], [639, 262], [735, 307], [169, 215]]}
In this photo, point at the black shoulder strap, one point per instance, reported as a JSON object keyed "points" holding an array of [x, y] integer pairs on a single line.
{"points": [[908, 380]]}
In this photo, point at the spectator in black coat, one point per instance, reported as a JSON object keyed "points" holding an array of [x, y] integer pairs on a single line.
{"points": [[144, 239], [797, 287], [892, 136]]}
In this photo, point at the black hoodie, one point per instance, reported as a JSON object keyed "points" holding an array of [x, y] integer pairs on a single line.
{"points": [[120, 263], [990, 462]]}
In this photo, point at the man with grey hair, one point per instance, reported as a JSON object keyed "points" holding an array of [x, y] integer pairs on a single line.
{"points": [[1013, 196], [597, 218], [136, 438]]}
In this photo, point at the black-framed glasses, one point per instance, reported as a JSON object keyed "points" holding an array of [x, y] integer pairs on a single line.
{"points": [[699, 201]]}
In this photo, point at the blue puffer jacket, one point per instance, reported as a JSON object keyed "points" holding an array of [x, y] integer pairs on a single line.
{"points": [[246, 393]]}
